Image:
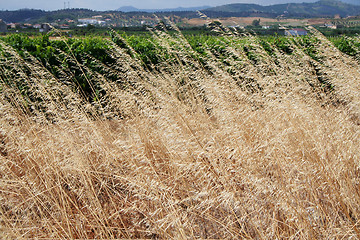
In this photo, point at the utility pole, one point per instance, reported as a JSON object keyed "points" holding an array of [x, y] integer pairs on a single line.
{"points": [[66, 5]]}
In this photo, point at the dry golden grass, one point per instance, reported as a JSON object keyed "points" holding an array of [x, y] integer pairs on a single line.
{"points": [[199, 154]]}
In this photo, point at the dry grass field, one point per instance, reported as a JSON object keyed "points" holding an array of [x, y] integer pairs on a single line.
{"points": [[235, 149], [245, 21]]}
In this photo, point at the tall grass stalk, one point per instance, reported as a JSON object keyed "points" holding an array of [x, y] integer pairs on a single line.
{"points": [[261, 146]]}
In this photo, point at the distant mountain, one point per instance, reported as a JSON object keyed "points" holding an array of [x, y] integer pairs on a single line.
{"points": [[322, 8], [179, 9], [354, 2], [128, 9]]}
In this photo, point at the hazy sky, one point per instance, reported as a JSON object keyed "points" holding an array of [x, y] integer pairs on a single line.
{"points": [[114, 4]]}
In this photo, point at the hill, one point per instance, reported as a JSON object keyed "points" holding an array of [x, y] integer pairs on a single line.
{"points": [[39, 16], [322, 8], [179, 9], [21, 15]]}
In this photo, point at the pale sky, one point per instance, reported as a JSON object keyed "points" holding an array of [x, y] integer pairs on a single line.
{"points": [[115, 4]]}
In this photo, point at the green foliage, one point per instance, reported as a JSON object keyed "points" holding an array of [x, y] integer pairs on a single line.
{"points": [[283, 44], [308, 44], [95, 47], [40, 47], [55, 55], [348, 45], [265, 43], [148, 51], [256, 22], [250, 53], [79, 57]]}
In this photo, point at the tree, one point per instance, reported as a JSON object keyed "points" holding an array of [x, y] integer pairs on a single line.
{"points": [[90, 28], [256, 22]]}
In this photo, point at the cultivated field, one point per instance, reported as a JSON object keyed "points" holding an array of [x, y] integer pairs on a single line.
{"points": [[166, 136], [245, 21]]}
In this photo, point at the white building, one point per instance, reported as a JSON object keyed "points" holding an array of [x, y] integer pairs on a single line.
{"points": [[88, 21], [296, 32], [330, 25]]}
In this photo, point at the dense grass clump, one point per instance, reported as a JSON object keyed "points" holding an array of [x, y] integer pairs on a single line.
{"points": [[167, 136]]}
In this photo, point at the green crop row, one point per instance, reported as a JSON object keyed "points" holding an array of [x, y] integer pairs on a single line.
{"points": [[150, 51], [78, 58]]}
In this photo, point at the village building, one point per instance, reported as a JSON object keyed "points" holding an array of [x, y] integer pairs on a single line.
{"points": [[296, 32], [64, 26], [330, 25], [28, 25], [45, 27], [3, 26], [88, 21]]}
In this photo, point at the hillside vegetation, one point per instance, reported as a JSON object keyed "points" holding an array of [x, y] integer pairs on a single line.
{"points": [[162, 136], [322, 8]]}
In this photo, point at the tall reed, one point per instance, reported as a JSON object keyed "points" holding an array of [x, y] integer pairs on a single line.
{"points": [[236, 142]]}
